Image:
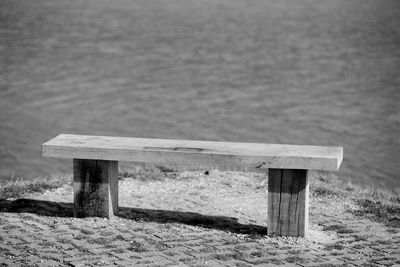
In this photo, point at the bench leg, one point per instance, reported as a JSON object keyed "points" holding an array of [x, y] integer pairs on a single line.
{"points": [[95, 188], [287, 202]]}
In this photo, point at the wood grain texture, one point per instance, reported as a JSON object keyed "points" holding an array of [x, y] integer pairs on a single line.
{"points": [[287, 202], [202, 153], [95, 188]]}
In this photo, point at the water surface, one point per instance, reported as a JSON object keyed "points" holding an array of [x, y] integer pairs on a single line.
{"points": [[320, 72]]}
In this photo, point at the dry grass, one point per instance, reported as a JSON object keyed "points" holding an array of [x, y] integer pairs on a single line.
{"points": [[375, 203], [386, 212], [16, 188], [378, 204], [149, 173]]}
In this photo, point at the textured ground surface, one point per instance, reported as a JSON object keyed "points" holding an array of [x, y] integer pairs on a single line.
{"points": [[191, 220]]}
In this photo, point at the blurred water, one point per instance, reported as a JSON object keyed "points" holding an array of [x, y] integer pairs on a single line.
{"points": [[317, 72]]}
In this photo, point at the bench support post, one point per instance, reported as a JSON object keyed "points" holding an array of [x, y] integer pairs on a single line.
{"points": [[287, 202], [95, 188]]}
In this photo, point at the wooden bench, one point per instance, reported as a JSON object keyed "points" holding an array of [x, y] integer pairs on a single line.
{"points": [[95, 164]]}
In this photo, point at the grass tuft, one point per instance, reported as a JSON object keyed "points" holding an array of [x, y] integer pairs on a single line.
{"points": [[323, 191], [340, 229], [17, 188], [157, 173], [386, 212], [378, 204]]}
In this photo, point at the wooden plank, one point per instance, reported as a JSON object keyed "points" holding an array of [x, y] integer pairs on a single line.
{"points": [[202, 153], [95, 188], [286, 197], [112, 168], [302, 202], [274, 201], [287, 202]]}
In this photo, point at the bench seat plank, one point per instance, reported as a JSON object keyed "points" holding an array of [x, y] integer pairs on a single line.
{"points": [[209, 153]]}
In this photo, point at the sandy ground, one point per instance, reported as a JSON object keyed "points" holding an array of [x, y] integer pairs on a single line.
{"points": [[190, 220]]}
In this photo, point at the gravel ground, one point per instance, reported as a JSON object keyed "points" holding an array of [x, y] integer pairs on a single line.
{"points": [[190, 219]]}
